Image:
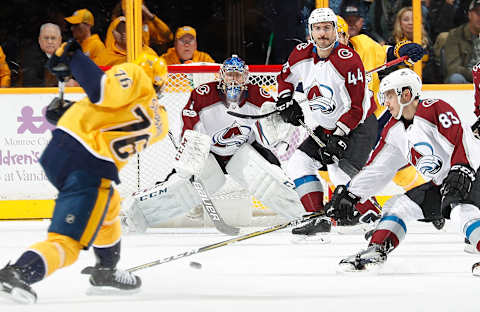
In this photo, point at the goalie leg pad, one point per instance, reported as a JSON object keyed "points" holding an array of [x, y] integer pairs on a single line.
{"points": [[162, 202], [174, 197], [268, 183]]}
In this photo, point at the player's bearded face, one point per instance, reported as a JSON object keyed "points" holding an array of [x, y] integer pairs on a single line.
{"points": [[323, 34]]}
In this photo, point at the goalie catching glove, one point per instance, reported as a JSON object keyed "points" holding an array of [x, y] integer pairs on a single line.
{"points": [[456, 187], [342, 206], [290, 110]]}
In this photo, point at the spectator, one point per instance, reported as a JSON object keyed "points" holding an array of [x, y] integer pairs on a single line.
{"points": [[154, 30], [4, 71], [403, 31], [355, 14], [382, 13], [117, 53], [185, 48], [462, 48], [34, 72], [82, 22], [447, 14]]}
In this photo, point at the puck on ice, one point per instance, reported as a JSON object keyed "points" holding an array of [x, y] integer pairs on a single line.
{"points": [[195, 265]]}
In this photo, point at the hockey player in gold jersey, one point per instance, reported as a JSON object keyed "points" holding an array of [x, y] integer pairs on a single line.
{"points": [[94, 139]]}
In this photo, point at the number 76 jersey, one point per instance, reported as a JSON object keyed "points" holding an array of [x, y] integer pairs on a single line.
{"points": [[125, 120]]}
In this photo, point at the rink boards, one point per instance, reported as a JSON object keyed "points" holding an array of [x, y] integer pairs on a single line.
{"points": [[25, 191]]}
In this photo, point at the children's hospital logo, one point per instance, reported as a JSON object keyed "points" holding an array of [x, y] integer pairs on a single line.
{"points": [[35, 124]]}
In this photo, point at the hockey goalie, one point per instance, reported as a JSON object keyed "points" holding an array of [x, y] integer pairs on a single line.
{"points": [[214, 144]]}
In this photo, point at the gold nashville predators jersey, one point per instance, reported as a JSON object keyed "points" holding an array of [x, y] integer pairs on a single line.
{"points": [[373, 55], [126, 119]]}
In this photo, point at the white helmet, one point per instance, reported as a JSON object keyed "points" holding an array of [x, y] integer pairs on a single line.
{"points": [[398, 81], [322, 15]]}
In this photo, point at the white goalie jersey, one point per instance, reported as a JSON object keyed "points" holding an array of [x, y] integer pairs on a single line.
{"points": [[433, 142], [205, 112]]}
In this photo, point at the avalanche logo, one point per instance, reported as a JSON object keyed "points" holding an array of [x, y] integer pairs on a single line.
{"points": [[422, 157], [235, 136], [320, 97]]}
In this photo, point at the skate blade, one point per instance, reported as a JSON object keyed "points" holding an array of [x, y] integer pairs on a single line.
{"points": [[110, 291], [350, 269], [312, 239], [470, 249], [19, 295]]}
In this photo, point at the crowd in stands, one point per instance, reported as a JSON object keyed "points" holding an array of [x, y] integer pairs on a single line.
{"points": [[450, 36]]}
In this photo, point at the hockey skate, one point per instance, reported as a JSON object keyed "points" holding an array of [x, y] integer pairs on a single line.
{"points": [[317, 225], [439, 223], [107, 280], [368, 260], [14, 287]]}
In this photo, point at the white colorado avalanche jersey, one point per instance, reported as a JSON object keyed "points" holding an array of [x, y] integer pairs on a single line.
{"points": [[335, 86], [433, 142], [205, 112]]}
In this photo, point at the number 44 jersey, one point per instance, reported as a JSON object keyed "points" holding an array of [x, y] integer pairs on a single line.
{"points": [[125, 120]]}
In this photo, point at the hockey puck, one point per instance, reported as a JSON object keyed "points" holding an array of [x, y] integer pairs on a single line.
{"points": [[195, 265]]}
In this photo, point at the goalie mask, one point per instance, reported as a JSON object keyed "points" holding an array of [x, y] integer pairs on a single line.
{"points": [[233, 80], [398, 81]]}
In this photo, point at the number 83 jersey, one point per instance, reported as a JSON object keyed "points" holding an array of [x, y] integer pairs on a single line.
{"points": [[126, 119]]}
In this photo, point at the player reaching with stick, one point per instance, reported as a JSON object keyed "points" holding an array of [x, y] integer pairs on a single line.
{"points": [[237, 146], [93, 140], [429, 135]]}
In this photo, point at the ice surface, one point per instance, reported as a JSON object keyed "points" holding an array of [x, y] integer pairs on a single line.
{"points": [[428, 272]]}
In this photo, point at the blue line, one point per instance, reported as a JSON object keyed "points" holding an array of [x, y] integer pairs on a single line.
{"points": [[305, 179], [472, 228], [395, 219]]}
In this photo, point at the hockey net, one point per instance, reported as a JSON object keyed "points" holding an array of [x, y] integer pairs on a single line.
{"points": [[155, 163]]}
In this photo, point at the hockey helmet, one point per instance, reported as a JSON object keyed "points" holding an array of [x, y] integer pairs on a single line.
{"points": [[342, 26], [398, 81], [233, 80], [322, 15], [155, 68]]}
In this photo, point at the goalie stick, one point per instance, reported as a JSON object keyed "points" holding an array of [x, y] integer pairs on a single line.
{"points": [[292, 223], [379, 68], [207, 203]]}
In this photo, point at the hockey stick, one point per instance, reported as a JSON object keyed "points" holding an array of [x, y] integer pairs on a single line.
{"points": [[207, 203], [387, 65], [274, 228]]}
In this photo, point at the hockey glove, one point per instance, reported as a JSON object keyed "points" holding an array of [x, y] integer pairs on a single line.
{"points": [[342, 206], [476, 128], [456, 187], [56, 109], [334, 149], [414, 51], [289, 110], [59, 62]]}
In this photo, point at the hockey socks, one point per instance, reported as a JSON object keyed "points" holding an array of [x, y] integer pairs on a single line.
{"points": [[390, 231], [472, 233], [309, 189]]}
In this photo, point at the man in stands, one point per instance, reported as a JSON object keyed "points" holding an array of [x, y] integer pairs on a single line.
{"points": [[185, 48], [82, 22]]}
